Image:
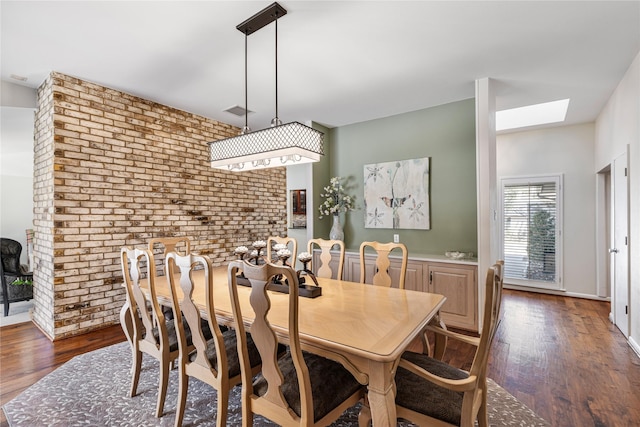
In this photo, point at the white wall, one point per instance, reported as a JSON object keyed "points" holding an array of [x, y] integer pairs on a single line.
{"points": [[567, 150], [617, 127], [16, 174]]}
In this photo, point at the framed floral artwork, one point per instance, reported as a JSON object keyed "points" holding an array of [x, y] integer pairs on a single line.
{"points": [[396, 194]]}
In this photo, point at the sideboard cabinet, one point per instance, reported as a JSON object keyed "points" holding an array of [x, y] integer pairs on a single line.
{"points": [[456, 280]]}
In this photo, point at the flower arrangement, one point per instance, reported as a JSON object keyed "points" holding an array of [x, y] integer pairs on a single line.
{"points": [[336, 200]]}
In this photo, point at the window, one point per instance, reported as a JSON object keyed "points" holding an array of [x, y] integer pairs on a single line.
{"points": [[531, 231]]}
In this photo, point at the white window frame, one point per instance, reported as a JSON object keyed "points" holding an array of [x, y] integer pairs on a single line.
{"points": [[532, 180]]}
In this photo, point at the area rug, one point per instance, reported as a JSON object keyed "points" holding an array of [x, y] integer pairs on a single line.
{"points": [[91, 390]]}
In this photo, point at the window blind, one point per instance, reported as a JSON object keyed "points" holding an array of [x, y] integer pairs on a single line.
{"points": [[530, 230]]}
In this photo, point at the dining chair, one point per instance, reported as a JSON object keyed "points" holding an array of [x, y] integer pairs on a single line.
{"points": [[430, 392], [160, 247], [152, 332], [324, 269], [163, 245], [381, 274], [300, 388], [212, 360], [292, 245]]}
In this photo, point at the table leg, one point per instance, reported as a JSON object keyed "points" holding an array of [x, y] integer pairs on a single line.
{"points": [[382, 396]]}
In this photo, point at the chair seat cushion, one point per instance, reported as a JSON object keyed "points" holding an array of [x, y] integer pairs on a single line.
{"points": [[230, 343], [331, 384], [173, 337], [420, 395]]}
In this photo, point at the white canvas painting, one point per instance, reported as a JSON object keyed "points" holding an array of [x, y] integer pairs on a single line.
{"points": [[396, 194]]}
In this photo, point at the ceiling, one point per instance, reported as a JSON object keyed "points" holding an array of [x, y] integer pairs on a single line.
{"points": [[339, 62]]}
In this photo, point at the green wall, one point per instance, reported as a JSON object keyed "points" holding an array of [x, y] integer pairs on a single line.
{"points": [[446, 134]]}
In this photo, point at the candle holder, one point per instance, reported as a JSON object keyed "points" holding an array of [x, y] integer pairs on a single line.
{"points": [[241, 280], [256, 254], [283, 255], [305, 259], [241, 251]]}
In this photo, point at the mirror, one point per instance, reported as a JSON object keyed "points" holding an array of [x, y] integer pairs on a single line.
{"points": [[298, 200]]}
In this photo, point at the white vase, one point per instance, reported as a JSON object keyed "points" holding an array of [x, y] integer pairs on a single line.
{"points": [[336, 232]]}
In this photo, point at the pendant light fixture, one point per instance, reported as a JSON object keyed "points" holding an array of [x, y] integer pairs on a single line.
{"points": [[278, 145]]}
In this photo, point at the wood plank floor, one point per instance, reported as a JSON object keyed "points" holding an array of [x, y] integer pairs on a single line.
{"points": [[560, 356]]}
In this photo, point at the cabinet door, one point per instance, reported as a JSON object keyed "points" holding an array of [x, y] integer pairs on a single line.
{"points": [[458, 284]]}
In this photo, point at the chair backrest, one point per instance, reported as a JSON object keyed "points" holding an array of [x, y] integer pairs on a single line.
{"points": [[185, 309], [493, 299], [291, 243], [381, 274], [146, 312], [161, 246], [10, 251], [324, 269], [266, 341]]}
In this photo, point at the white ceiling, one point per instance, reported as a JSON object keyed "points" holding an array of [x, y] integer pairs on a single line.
{"points": [[339, 62]]}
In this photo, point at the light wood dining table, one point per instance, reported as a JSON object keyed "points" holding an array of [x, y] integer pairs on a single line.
{"points": [[364, 327]]}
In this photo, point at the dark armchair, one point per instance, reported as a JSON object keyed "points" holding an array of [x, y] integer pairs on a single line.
{"points": [[10, 271]]}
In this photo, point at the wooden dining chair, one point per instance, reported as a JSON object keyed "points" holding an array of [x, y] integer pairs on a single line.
{"points": [[161, 246], [324, 268], [381, 273], [213, 358], [300, 388], [291, 243], [430, 392], [152, 333]]}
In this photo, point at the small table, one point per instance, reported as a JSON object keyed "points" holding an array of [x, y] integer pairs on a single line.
{"points": [[14, 293]]}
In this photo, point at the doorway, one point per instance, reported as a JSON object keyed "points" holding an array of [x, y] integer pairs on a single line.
{"points": [[612, 238]]}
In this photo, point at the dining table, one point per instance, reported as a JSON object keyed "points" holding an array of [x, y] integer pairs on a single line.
{"points": [[364, 327]]}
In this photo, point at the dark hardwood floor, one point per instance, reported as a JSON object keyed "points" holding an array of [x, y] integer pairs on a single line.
{"points": [[560, 356], [26, 355]]}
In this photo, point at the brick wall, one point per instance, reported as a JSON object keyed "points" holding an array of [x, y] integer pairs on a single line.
{"points": [[114, 170]]}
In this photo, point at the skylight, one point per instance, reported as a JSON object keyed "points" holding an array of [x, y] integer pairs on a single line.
{"points": [[531, 115]]}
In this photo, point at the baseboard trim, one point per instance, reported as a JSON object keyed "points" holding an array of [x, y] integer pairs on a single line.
{"points": [[635, 346], [554, 292]]}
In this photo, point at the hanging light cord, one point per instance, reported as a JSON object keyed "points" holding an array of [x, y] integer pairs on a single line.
{"points": [[246, 90], [276, 120]]}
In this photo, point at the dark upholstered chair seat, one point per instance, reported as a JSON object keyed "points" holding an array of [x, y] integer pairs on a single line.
{"points": [[230, 343], [331, 384], [420, 395], [173, 338]]}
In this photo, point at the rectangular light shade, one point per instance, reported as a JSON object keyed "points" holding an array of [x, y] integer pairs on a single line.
{"points": [[291, 143]]}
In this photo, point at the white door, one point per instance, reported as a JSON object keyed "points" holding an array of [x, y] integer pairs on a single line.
{"points": [[620, 248]]}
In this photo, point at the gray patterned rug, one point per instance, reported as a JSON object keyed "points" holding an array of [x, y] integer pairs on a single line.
{"points": [[91, 390]]}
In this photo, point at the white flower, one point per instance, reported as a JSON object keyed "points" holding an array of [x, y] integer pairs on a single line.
{"points": [[279, 246], [241, 250], [335, 199], [284, 253], [304, 256], [254, 253], [259, 244]]}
